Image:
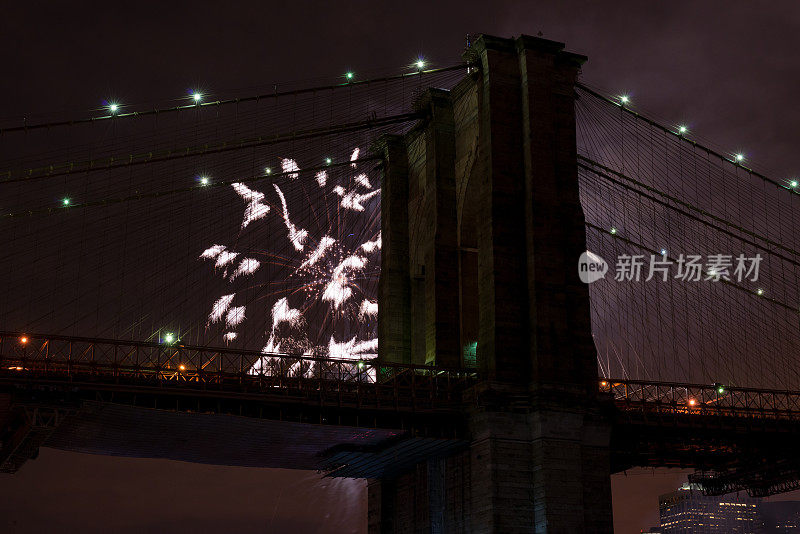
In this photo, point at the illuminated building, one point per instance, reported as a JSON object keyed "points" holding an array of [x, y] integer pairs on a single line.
{"points": [[687, 510], [780, 516]]}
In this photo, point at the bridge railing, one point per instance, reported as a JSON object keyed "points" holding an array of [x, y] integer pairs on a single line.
{"points": [[43, 357], [702, 399]]}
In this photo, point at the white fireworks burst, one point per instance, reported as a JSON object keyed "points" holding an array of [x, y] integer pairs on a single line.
{"points": [[212, 252], [220, 307], [324, 244], [246, 193], [352, 200], [297, 237], [371, 246], [352, 350], [224, 258], [324, 271], [282, 313], [290, 166], [363, 180], [369, 308], [246, 266], [255, 209], [235, 316], [272, 347], [229, 336], [254, 212], [338, 290]]}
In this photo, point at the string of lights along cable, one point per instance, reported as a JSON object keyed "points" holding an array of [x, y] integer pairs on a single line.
{"points": [[253, 222]]}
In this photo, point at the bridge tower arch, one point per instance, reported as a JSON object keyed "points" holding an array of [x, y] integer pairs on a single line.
{"points": [[482, 228]]}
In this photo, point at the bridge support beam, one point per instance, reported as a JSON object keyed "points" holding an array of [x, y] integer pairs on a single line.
{"points": [[394, 286], [493, 203]]}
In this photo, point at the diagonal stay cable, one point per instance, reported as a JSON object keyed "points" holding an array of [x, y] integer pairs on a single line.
{"points": [[159, 194], [617, 236], [593, 169], [112, 162]]}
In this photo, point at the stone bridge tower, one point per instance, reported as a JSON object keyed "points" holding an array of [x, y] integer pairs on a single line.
{"points": [[482, 230]]}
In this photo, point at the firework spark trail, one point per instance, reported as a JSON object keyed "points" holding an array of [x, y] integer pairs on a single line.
{"points": [[338, 288], [256, 209], [324, 244], [354, 157], [322, 178], [224, 258], [272, 347], [282, 313], [235, 316], [297, 237], [212, 252], [351, 350], [352, 200], [290, 166], [246, 193], [253, 212], [247, 266], [371, 246], [363, 180], [369, 308], [229, 336], [220, 307]]}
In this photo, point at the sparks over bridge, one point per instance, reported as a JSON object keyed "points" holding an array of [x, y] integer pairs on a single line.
{"points": [[377, 278]]}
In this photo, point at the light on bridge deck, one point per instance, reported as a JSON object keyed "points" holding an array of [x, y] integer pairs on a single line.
{"points": [[739, 157], [420, 63], [692, 402], [793, 183], [65, 202], [23, 340], [759, 291], [328, 161], [349, 76], [113, 108], [169, 338], [624, 100], [613, 230], [682, 129], [197, 97], [181, 367], [267, 171], [204, 180]]}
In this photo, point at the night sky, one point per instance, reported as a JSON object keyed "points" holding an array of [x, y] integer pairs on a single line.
{"points": [[728, 69]]}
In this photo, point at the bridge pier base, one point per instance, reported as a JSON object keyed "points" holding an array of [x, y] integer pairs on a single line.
{"points": [[543, 471]]}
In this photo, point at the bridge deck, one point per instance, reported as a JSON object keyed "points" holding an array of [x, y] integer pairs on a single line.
{"points": [[345, 416]]}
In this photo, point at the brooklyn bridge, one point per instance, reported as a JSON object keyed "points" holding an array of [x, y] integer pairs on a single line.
{"points": [[380, 279]]}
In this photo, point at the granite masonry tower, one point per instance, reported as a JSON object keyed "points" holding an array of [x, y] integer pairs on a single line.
{"points": [[482, 230]]}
